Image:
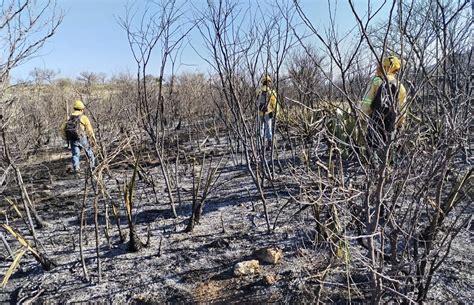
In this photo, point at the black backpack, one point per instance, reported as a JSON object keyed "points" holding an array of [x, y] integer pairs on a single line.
{"points": [[73, 128], [263, 101], [384, 112]]}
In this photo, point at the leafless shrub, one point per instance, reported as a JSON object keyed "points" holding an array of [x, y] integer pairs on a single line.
{"points": [[205, 177], [24, 28], [397, 213]]}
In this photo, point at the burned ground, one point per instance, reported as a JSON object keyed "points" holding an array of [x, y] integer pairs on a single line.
{"points": [[198, 266]]}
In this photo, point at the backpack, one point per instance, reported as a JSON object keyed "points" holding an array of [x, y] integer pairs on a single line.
{"points": [[384, 111], [73, 128], [263, 101]]}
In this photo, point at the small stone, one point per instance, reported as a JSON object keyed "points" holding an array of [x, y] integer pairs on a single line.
{"points": [[247, 268], [269, 279], [269, 255], [44, 193]]}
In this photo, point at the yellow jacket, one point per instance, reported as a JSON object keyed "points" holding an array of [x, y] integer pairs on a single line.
{"points": [[372, 91], [85, 125], [272, 104]]}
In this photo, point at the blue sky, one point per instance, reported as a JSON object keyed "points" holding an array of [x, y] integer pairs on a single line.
{"points": [[90, 39]]}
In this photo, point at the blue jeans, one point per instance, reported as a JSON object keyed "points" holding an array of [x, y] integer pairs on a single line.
{"points": [[76, 147], [266, 129]]}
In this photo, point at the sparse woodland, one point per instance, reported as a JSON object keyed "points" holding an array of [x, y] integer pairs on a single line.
{"points": [[184, 190]]}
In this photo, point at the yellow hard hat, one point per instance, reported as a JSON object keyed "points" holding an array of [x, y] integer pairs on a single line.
{"points": [[78, 105], [266, 79], [391, 64]]}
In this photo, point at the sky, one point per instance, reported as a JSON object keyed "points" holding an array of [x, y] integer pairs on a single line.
{"points": [[90, 39]]}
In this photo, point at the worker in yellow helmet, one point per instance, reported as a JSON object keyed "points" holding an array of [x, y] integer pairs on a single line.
{"points": [[382, 115], [77, 130], [267, 107]]}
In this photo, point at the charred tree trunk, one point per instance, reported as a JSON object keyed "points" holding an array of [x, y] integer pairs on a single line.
{"points": [[134, 244]]}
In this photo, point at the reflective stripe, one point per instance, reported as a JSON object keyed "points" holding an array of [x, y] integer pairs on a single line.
{"points": [[367, 101]]}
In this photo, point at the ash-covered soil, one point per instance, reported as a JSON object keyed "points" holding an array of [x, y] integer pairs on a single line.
{"points": [[187, 267]]}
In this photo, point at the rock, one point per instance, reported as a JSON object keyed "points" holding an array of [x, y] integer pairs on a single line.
{"points": [[44, 193], [269, 255], [269, 279], [247, 268]]}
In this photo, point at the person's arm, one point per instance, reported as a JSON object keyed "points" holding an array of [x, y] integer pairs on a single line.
{"points": [[88, 127], [62, 130], [272, 107], [366, 104], [257, 98], [402, 96]]}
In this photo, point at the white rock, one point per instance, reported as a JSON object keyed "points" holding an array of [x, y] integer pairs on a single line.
{"points": [[247, 268]]}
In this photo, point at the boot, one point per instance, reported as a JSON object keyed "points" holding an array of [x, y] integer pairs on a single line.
{"points": [[75, 171]]}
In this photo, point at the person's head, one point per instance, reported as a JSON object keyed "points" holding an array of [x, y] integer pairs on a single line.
{"points": [[266, 80], [390, 64], [78, 105]]}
